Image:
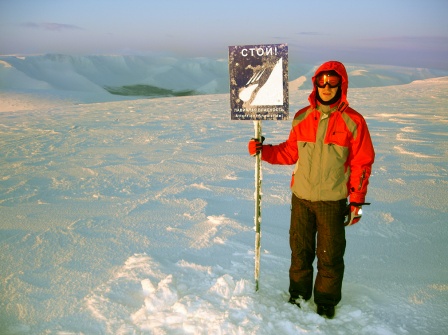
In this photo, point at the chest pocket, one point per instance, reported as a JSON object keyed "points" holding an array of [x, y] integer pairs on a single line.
{"points": [[341, 138]]}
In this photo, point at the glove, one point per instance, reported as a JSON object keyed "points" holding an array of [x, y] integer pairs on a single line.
{"points": [[353, 213], [254, 146]]}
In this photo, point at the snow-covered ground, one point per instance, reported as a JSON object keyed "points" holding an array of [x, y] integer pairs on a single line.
{"points": [[136, 217]]}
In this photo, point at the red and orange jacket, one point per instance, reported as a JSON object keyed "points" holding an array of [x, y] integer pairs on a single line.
{"points": [[331, 147]]}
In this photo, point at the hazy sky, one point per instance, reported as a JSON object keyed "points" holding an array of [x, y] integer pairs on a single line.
{"points": [[396, 32]]}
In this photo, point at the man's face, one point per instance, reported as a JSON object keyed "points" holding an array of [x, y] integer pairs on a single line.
{"points": [[327, 84], [327, 93]]}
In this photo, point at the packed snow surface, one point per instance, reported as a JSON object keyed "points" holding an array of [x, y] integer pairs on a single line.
{"points": [[136, 217]]}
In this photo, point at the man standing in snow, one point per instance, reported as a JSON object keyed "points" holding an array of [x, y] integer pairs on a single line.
{"points": [[331, 148]]}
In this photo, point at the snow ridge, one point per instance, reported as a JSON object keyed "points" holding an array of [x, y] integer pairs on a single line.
{"points": [[109, 78]]}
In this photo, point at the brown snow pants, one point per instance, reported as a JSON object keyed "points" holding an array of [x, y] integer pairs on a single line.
{"points": [[326, 220]]}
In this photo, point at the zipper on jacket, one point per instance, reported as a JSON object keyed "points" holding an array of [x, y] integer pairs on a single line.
{"points": [[361, 180], [322, 129]]}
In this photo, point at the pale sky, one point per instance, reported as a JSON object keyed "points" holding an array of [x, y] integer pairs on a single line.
{"points": [[392, 32]]}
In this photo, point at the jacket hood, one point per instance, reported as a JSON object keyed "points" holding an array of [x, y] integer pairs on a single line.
{"points": [[340, 69]]}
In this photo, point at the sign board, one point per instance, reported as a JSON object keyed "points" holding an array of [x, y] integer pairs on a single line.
{"points": [[259, 82]]}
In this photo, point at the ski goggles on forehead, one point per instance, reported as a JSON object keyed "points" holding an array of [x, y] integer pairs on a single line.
{"points": [[329, 79]]}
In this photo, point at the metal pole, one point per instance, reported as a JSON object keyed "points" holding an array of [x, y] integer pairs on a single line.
{"points": [[257, 196]]}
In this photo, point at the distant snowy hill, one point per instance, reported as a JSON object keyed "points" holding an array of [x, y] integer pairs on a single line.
{"points": [[92, 78], [107, 78]]}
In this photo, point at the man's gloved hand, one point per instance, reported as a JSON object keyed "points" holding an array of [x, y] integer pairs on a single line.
{"points": [[254, 146], [353, 213]]}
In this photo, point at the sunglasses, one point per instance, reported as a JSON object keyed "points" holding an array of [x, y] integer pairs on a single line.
{"points": [[325, 79]]}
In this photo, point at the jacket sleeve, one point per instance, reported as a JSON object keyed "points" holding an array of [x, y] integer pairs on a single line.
{"points": [[283, 154], [360, 160]]}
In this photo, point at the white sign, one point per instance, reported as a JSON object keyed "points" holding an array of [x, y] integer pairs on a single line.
{"points": [[259, 82]]}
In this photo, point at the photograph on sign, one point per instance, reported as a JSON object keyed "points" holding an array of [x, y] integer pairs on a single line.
{"points": [[259, 82]]}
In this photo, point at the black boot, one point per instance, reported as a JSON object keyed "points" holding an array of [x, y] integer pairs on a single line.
{"points": [[326, 310], [294, 301]]}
